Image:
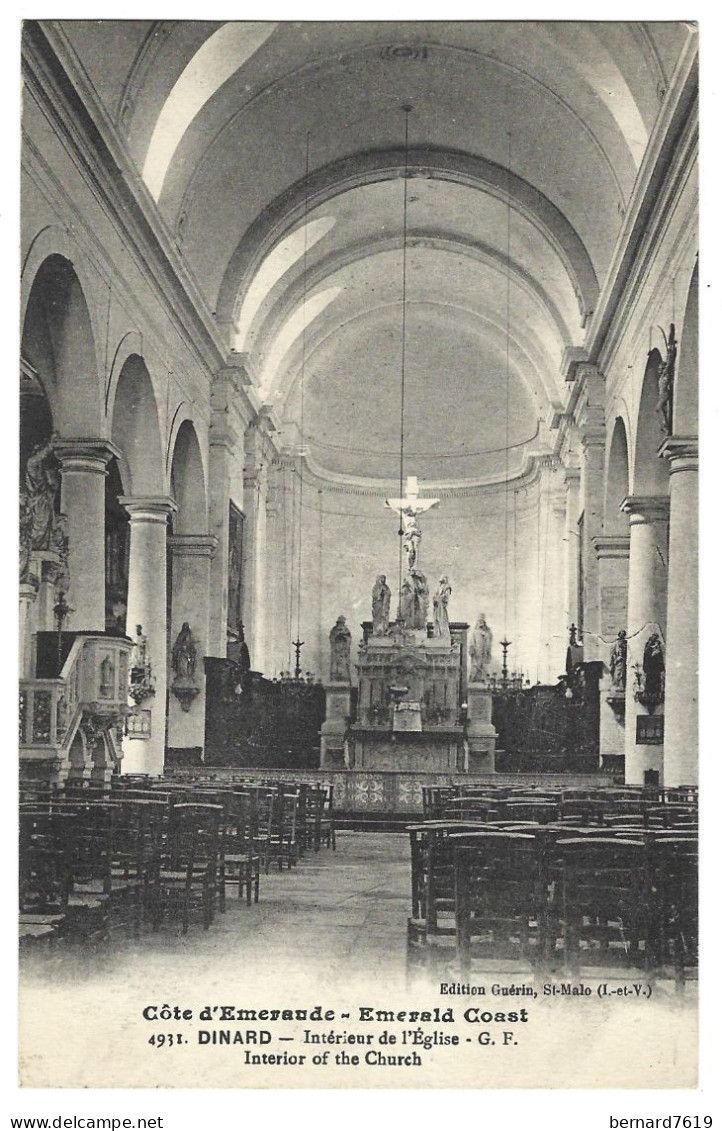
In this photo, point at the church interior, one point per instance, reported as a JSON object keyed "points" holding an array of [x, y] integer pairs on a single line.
{"points": [[358, 493]]}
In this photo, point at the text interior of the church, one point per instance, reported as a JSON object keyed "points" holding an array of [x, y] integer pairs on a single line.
{"points": [[358, 496]]}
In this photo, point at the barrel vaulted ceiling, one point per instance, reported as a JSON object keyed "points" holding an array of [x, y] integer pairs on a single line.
{"points": [[524, 143]]}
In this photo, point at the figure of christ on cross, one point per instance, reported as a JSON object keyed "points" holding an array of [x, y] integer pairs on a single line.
{"points": [[408, 509]]}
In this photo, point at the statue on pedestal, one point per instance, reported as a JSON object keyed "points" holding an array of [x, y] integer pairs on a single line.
{"points": [[480, 650], [406, 603], [380, 606], [42, 480], [420, 611], [441, 609], [183, 654], [653, 668], [340, 638], [618, 662]]}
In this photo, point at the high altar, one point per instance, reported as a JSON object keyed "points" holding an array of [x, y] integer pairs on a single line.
{"points": [[415, 710]]}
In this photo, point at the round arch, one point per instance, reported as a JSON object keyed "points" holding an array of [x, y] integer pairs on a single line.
{"points": [[650, 475], [616, 481], [368, 167], [685, 412], [188, 484], [135, 430], [59, 344]]}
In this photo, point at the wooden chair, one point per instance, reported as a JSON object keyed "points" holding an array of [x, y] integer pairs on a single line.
{"points": [[500, 897], [188, 876], [241, 858], [606, 903], [674, 869]]}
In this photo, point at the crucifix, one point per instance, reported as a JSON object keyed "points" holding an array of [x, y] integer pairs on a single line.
{"points": [[298, 645], [408, 509]]}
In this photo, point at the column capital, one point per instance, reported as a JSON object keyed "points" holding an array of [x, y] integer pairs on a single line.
{"points": [[645, 508], [221, 433], [193, 545], [85, 454], [572, 476], [148, 508], [593, 436], [611, 545], [682, 453]]}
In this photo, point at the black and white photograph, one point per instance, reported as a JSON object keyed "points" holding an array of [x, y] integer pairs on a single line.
{"points": [[358, 554]]}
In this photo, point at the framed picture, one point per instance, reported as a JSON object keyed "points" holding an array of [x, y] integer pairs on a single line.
{"points": [[650, 730], [137, 724]]}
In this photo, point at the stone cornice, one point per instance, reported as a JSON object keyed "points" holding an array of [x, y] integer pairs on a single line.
{"points": [[148, 508], [91, 455], [645, 508], [611, 545], [682, 453], [334, 482]]}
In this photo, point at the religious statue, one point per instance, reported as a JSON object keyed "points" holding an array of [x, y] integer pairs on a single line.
{"points": [[141, 681], [107, 676], [406, 603], [340, 637], [421, 599], [26, 534], [618, 661], [42, 480], [653, 668], [241, 659], [441, 609], [380, 605], [480, 650], [183, 654], [665, 382], [140, 659], [408, 509]]}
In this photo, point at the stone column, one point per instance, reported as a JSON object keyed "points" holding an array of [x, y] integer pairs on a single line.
{"points": [[552, 636], [147, 607], [28, 596], [83, 466], [681, 722], [572, 476], [255, 482], [593, 507], [646, 613], [279, 519], [613, 558], [222, 440], [192, 556], [557, 635]]}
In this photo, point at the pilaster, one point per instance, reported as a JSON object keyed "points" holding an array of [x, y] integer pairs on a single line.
{"points": [[681, 740], [83, 468], [147, 608]]}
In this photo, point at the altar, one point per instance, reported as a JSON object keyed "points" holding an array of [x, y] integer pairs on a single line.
{"points": [[414, 710]]}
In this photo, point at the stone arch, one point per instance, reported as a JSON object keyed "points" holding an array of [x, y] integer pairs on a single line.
{"points": [[58, 342], [685, 417], [188, 485], [135, 430], [650, 474], [616, 481]]}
